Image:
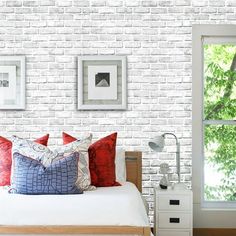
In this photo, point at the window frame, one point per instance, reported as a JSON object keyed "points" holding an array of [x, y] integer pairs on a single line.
{"points": [[204, 209]]}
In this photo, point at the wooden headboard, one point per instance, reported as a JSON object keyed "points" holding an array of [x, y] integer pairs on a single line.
{"points": [[134, 168]]}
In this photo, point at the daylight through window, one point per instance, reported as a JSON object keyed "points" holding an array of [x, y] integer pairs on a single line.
{"points": [[219, 122]]}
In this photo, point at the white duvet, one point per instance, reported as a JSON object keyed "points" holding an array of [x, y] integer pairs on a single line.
{"points": [[115, 206]]}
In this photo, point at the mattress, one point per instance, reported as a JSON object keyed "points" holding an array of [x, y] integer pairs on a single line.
{"points": [[116, 206]]}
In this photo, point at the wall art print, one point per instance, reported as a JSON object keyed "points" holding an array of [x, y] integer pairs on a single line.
{"points": [[102, 83], [12, 82]]}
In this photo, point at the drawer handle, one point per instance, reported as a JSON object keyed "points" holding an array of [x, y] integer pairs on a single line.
{"points": [[174, 202], [174, 220]]}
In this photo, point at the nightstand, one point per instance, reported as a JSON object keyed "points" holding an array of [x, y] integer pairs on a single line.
{"points": [[173, 214]]}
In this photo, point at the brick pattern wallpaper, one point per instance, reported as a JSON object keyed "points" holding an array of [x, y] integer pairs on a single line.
{"points": [[155, 36]]}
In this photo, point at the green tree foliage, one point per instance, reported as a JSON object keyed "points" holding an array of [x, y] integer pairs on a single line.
{"points": [[220, 104]]}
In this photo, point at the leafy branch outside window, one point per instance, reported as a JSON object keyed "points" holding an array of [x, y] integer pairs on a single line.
{"points": [[220, 104]]}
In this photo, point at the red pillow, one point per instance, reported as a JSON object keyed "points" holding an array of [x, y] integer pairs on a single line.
{"points": [[67, 138], [43, 140], [101, 160], [6, 155]]}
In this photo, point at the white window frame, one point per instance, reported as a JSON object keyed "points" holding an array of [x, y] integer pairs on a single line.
{"points": [[206, 214]]}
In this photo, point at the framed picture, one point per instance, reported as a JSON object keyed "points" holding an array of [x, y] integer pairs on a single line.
{"points": [[102, 83], [12, 82]]}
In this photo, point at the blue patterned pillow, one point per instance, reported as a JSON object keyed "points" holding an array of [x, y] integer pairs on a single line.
{"points": [[32, 177]]}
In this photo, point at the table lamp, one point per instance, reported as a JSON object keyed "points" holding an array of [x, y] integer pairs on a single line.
{"points": [[157, 144]]}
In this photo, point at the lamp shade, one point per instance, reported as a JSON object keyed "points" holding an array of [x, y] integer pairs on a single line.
{"points": [[157, 143]]}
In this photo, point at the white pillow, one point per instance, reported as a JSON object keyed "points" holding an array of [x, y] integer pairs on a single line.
{"points": [[120, 165], [81, 146], [35, 150]]}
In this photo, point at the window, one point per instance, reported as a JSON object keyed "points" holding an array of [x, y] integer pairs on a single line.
{"points": [[214, 122], [219, 115]]}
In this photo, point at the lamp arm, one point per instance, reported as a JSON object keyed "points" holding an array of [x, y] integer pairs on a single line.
{"points": [[177, 153], [176, 139]]}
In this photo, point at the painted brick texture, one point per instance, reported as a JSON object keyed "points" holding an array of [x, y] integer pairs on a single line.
{"points": [[155, 36]]}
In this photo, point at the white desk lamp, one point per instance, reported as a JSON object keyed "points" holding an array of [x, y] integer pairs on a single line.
{"points": [[157, 144]]}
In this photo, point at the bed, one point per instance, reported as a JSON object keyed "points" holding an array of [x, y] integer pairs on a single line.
{"points": [[125, 210]]}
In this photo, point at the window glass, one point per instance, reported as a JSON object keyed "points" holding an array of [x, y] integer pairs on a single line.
{"points": [[219, 124], [220, 163], [219, 82]]}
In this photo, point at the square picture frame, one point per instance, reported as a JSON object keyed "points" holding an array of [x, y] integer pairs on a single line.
{"points": [[102, 83], [12, 82]]}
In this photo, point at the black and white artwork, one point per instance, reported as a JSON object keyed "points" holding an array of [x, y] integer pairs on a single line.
{"points": [[7, 84], [4, 80], [12, 82], [102, 80]]}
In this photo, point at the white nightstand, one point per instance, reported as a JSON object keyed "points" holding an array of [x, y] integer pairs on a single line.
{"points": [[173, 214]]}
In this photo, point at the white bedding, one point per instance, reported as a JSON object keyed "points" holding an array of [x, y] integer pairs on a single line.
{"points": [[117, 206]]}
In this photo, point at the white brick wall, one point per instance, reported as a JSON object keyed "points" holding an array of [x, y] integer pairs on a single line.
{"points": [[156, 37]]}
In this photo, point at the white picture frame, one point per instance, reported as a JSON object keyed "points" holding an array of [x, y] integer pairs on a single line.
{"points": [[102, 83], [12, 82]]}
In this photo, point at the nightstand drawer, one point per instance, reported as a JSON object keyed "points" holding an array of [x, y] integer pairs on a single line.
{"points": [[173, 233], [172, 220], [174, 203]]}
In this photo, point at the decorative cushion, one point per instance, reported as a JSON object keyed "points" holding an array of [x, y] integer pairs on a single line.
{"points": [[43, 140], [80, 146], [102, 162], [6, 158], [67, 138], [32, 177], [34, 150]]}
